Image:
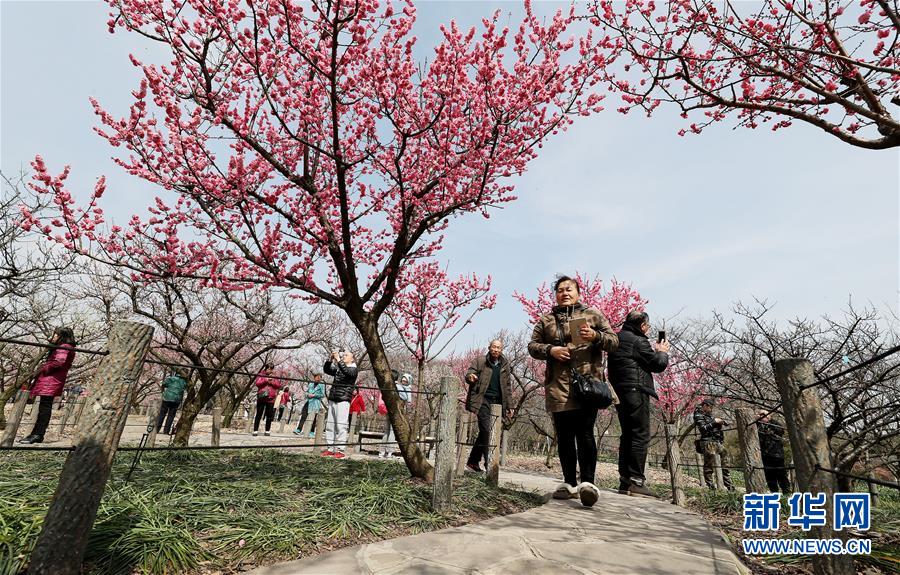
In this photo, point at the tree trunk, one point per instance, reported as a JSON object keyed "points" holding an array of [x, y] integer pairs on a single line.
{"points": [[64, 534], [811, 451], [412, 454], [748, 437], [190, 408], [228, 413], [417, 414]]}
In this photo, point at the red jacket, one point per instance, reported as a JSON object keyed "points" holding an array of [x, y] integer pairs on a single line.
{"points": [[286, 397], [267, 385], [52, 376]]}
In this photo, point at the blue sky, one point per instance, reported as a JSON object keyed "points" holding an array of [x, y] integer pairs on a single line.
{"points": [[696, 223]]}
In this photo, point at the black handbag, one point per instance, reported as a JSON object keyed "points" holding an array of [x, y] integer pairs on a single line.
{"points": [[590, 391]]}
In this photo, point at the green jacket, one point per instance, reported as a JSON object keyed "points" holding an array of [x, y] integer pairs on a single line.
{"points": [[173, 388]]}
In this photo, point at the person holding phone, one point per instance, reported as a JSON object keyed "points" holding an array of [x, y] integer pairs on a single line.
{"points": [[267, 386], [50, 379], [315, 395], [553, 340], [343, 367], [631, 369]]}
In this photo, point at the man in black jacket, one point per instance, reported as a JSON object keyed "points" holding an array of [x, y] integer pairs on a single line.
{"points": [[771, 445], [630, 371], [344, 370], [488, 379], [712, 442]]}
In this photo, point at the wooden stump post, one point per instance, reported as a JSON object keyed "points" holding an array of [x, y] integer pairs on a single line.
{"points": [[673, 454], [809, 446], [462, 449], [63, 539], [216, 426], [444, 460], [156, 406], [493, 470], [15, 418], [748, 437]]}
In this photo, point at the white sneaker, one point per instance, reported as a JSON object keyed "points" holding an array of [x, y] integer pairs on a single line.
{"points": [[267, 434], [565, 491], [588, 493], [255, 433]]}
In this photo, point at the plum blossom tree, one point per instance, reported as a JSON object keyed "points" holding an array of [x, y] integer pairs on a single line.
{"points": [[431, 310], [301, 145], [833, 64], [614, 303]]}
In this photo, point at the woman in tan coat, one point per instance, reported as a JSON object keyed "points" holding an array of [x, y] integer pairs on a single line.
{"points": [[552, 341]]}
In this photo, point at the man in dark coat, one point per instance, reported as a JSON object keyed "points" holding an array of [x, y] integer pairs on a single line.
{"points": [[771, 445], [712, 442], [488, 379], [630, 371]]}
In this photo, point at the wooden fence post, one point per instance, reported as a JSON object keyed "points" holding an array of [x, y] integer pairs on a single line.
{"points": [[493, 470], [251, 417], [444, 460], [462, 449], [748, 437], [216, 426], [67, 413], [15, 418], [64, 535], [320, 429], [156, 407], [805, 424], [673, 455], [23, 379]]}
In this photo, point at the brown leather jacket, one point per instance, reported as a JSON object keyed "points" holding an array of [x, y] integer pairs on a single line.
{"points": [[588, 359], [481, 369]]}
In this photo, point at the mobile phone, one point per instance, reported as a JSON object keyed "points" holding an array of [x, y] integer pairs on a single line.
{"points": [[574, 330], [661, 337]]}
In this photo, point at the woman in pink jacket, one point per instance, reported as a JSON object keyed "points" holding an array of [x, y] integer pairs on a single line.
{"points": [[267, 387], [50, 379]]}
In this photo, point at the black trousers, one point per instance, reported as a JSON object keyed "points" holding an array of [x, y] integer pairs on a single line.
{"points": [[45, 408], [304, 413], [280, 412], [264, 408], [634, 419], [167, 412], [482, 443], [776, 475], [576, 443]]}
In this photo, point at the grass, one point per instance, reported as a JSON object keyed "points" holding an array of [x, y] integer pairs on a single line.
{"points": [[185, 512]]}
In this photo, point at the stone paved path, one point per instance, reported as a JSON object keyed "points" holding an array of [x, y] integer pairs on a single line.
{"points": [[620, 535]]}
